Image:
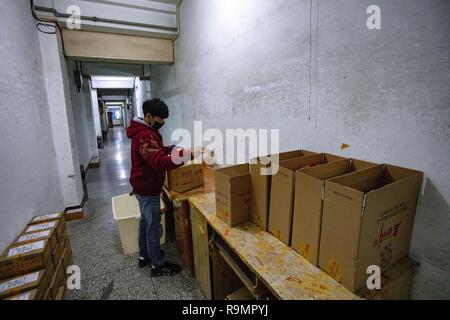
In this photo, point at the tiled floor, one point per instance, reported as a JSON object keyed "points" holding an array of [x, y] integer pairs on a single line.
{"points": [[106, 273]]}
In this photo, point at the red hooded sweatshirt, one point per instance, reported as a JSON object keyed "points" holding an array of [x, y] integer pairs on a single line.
{"points": [[149, 159]]}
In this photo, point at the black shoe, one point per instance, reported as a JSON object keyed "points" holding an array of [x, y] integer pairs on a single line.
{"points": [[167, 269], [143, 262]]}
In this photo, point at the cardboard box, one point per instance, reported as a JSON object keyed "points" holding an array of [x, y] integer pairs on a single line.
{"points": [[68, 258], [41, 226], [185, 178], [61, 293], [308, 198], [395, 282], [48, 295], [74, 214], [29, 295], [57, 254], [24, 283], [367, 220], [241, 294], [233, 194], [282, 193], [47, 218], [49, 234], [58, 225], [260, 186], [25, 258], [59, 279]]}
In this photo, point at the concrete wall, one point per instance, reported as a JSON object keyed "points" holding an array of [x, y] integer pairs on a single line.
{"points": [[83, 118], [29, 178], [62, 122], [314, 70]]}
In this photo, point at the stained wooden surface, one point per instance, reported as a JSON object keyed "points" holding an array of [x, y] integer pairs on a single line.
{"points": [[181, 197], [285, 272]]}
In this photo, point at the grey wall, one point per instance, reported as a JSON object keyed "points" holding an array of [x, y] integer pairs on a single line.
{"points": [[83, 119], [314, 70], [28, 170]]}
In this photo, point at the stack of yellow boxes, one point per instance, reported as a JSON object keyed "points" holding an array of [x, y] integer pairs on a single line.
{"points": [[34, 266]]}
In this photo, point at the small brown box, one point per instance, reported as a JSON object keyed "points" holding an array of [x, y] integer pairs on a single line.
{"points": [[58, 279], [61, 293], [74, 214], [49, 234], [29, 295], [47, 218], [233, 194], [185, 178], [24, 283], [40, 227], [57, 254], [25, 258]]}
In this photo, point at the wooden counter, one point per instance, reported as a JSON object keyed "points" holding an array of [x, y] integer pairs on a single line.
{"points": [[287, 274]]}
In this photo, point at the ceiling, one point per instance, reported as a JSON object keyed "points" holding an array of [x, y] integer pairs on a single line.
{"points": [[149, 18]]}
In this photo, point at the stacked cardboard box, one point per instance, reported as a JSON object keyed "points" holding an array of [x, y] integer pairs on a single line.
{"points": [[184, 235], [25, 284], [35, 260], [367, 220]]}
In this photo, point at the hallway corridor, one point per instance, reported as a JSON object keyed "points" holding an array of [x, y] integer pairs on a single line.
{"points": [[106, 273]]}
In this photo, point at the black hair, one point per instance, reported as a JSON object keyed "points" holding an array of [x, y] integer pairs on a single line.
{"points": [[156, 107]]}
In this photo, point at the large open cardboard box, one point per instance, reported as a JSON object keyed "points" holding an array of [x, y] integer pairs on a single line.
{"points": [[282, 193], [308, 197], [260, 185], [233, 194], [367, 220]]}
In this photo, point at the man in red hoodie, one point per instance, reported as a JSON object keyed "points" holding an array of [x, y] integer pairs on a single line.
{"points": [[150, 160]]}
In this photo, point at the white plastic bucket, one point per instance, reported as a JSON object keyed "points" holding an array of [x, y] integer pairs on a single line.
{"points": [[128, 215]]}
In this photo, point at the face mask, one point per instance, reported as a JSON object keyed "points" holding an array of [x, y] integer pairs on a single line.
{"points": [[158, 125]]}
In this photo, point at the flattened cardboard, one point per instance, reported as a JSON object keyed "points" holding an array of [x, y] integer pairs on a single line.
{"points": [[185, 178], [307, 215], [260, 187], [25, 258], [367, 220], [17, 285], [282, 193], [395, 282], [233, 194]]}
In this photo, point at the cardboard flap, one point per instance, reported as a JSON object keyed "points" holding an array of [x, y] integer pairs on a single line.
{"points": [[364, 180], [328, 157], [234, 171], [298, 163], [328, 170], [357, 165]]}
